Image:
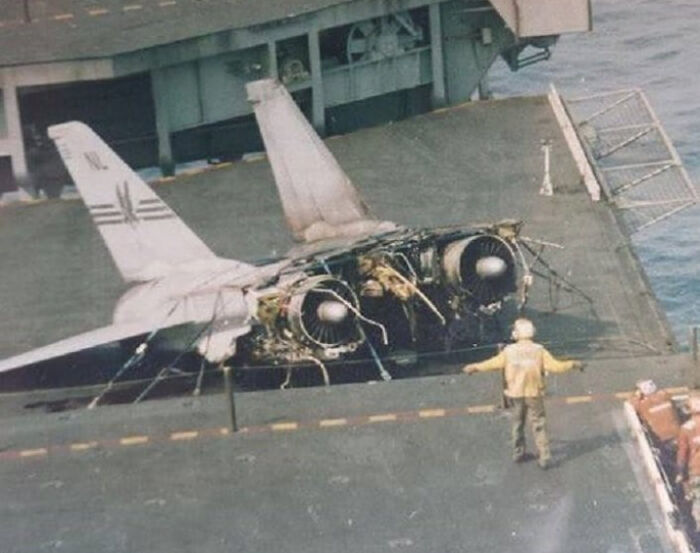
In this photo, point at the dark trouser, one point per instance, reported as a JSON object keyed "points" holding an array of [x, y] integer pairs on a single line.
{"points": [[532, 407], [695, 498], [667, 456]]}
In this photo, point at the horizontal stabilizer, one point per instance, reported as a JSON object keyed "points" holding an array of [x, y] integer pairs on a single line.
{"points": [[145, 237], [318, 198]]}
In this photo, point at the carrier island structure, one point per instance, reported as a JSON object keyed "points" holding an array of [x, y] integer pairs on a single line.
{"points": [[418, 463]]}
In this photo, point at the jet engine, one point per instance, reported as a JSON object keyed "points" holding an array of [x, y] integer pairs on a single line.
{"points": [[322, 312], [481, 266]]}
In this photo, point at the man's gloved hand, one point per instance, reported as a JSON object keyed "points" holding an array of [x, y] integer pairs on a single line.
{"points": [[469, 369], [679, 478], [578, 366]]}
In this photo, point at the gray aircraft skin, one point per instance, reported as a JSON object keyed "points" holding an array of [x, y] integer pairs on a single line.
{"points": [[308, 306]]}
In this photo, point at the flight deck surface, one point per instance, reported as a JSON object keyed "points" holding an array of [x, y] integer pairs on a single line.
{"points": [[415, 465], [420, 464]]}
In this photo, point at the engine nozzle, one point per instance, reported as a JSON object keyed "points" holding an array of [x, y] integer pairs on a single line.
{"points": [[332, 312], [491, 267], [481, 266], [322, 312]]}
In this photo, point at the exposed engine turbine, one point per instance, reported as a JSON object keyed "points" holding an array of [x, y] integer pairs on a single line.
{"points": [[481, 266], [322, 312], [314, 319]]}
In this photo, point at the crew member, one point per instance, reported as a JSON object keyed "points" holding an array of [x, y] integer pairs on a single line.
{"points": [[525, 363], [688, 457], [656, 411]]}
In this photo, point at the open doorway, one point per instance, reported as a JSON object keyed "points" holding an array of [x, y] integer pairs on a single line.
{"points": [[120, 111]]}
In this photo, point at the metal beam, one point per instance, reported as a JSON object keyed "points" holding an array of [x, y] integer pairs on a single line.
{"points": [[14, 142], [59, 72], [643, 178], [318, 108], [272, 69], [160, 100], [626, 142], [576, 147], [437, 57], [635, 92], [628, 166]]}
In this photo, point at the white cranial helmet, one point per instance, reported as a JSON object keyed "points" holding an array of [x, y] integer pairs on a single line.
{"points": [[523, 329], [647, 387]]}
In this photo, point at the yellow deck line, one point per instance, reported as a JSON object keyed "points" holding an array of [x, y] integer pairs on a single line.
{"points": [[63, 16], [132, 7], [431, 413], [82, 446], [323, 423], [281, 426], [167, 3], [333, 422], [185, 435], [579, 399], [98, 11], [134, 440], [382, 418], [33, 452], [481, 409]]}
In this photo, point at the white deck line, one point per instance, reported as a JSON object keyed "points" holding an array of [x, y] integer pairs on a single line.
{"points": [[575, 147], [678, 538]]}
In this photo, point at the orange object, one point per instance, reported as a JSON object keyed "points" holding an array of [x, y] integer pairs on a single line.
{"points": [[689, 447], [657, 412]]}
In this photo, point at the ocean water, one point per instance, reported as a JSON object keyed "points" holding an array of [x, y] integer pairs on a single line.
{"points": [[653, 45]]}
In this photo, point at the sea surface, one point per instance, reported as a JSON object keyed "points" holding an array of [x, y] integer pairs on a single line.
{"points": [[653, 45]]}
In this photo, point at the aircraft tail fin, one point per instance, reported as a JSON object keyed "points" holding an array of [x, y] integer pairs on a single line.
{"points": [[145, 237], [318, 198]]}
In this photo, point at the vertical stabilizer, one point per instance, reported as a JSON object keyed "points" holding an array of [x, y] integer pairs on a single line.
{"points": [[145, 237], [318, 198]]}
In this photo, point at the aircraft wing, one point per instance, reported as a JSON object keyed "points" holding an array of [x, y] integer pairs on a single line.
{"points": [[78, 343], [318, 198]]}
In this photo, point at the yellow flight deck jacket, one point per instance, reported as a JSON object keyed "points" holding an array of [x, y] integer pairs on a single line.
{"points": [[525, 363]]}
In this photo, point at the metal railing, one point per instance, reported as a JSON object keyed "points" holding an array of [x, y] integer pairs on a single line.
{"points": [[638, 167]]}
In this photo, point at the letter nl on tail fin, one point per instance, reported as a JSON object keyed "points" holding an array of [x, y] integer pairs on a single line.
{"points": [[145, 237], [318, 199]]}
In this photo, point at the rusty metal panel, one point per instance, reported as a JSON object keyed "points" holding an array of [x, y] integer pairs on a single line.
{"points": [[530, 18]]}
